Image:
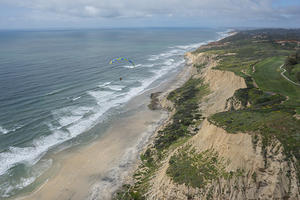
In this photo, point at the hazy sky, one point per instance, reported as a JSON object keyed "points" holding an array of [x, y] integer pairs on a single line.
{"points": [[23, 14]]}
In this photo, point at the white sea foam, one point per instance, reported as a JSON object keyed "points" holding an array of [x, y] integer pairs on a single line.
{"points": [[101, 96], [56, 91], [72, 119], [129, 66], [132, 66], [115, 87], [23, 182], [9, 188], [176, 50], [153, 57], [16, 155], [67, 117], [224, 34], [169, 62], [3, 130], [148, 65], [191, 46], [76, 98], [104, 84], [69, 120], [162, 55]]}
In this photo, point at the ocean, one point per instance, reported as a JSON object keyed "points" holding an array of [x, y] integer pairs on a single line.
{"points": [[57, 86]]}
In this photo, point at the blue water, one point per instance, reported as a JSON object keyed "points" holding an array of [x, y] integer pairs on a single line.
{"points": [[56, 85]]}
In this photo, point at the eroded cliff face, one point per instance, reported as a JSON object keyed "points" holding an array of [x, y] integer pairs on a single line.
{"points": [[222, 84], [255, 172], [262, 177]]}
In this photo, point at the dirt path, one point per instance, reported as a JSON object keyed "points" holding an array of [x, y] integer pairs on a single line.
{"points": [[253, 71], [282, 74]]}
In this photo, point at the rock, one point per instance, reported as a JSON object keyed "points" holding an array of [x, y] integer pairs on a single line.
{"points": [[154, 104]]}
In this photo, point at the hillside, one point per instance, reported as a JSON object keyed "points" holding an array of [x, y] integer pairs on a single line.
{"points": [[234, 128]]}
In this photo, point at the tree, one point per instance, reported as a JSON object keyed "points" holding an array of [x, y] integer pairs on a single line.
{"points": [[298, 76], [298, 55], [291, 60], [289, 69]]}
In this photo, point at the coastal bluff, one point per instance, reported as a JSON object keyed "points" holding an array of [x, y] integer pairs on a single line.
{"points": [[232, 131], [256, 181]]}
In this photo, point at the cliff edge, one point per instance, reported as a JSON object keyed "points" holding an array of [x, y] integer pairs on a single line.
{"points": [[229, 135]]}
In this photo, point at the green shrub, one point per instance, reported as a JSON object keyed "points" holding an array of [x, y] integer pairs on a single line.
{"points": [[196, 169], [186, 100]]}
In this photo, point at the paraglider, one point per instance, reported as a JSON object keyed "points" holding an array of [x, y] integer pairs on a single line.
{"points": [[121, 59]]}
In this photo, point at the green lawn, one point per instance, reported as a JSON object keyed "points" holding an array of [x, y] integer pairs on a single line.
{"points": [[268, 78]]}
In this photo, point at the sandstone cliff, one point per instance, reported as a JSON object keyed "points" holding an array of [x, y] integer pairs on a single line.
{"points": [[254, 176]]}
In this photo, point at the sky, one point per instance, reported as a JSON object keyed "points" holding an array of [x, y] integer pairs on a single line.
{"points": [[51, 14]]}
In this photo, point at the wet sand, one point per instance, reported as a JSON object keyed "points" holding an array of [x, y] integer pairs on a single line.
{"points": [[96, 170]]}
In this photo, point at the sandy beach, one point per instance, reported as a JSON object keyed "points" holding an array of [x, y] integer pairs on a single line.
{"points": [[96, 170]]}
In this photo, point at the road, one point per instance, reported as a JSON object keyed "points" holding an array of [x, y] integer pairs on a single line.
{"points": [[282, 74]]}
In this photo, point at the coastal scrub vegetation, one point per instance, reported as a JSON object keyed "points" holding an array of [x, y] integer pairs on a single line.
{"points": [[197, 169], [186, 100]]}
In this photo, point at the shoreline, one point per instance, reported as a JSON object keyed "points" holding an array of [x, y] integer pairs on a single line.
{"points": [[100, 162], [96, 175], [161, 98], [182, 76]]}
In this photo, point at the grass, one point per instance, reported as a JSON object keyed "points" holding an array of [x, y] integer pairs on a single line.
{"points": [[126, 193], [268, 78], [196, 169]]}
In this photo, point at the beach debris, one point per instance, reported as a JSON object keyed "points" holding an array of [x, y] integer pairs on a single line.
{"points": [[154, 104]]}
